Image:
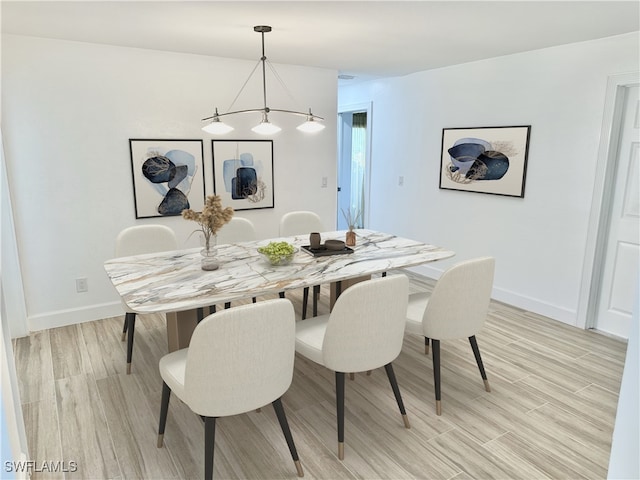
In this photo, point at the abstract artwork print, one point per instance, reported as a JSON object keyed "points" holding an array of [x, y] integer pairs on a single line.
{"points": [[485, 159], [243, 173], [168, 176]]}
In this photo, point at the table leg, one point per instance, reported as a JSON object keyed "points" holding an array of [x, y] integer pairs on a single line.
{"points": [[180, 327], [336, 289]]}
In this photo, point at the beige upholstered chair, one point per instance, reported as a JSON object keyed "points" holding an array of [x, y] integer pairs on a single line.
{"points": [[457, 308], [238, 360], [363, 332], [138, 240], [299, 223], [237, 230]]}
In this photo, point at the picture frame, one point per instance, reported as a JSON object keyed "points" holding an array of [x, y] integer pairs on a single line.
{"points": [[168, 176], [243, 173], [490, 160]]}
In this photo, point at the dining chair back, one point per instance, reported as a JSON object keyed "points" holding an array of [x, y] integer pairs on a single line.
{"points": [[363, 332], [238, 360], [366, 326], [138, 240], [141, 239], [299, 223], [237, 230], [457, 308]]}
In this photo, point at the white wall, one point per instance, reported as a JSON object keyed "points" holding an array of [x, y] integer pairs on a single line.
{"points": [[539, 240], [68, 111]]}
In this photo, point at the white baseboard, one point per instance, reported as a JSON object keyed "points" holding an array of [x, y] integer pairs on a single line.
{"points": [[515, 299], [62, 318]]}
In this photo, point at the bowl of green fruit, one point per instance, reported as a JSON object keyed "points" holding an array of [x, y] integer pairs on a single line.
{"points": [[278, 253]]}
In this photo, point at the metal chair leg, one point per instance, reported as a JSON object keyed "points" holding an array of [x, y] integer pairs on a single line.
{"points": [[316, 294], [284, 425], [131, 326], [340, 412], [305, 302], [476, 353], [209, 441], [164, 408], [396, 391], [436, 374]]}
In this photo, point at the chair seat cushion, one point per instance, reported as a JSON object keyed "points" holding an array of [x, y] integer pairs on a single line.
{"points": [[172, 369], [310, 336], [415, 310]]}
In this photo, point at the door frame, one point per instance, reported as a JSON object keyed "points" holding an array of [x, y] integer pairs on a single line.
{"points": [[602, 198], [353, 108]]}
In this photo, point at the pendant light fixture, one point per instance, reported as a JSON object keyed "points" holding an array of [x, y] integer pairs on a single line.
{"points": [[265, 127]]}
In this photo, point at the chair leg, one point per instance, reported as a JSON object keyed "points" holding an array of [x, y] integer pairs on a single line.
{"points": [[396, 391], [281, 294], [124, 327], [316, 294], [209, 440], [426, 345], [284, 425], [131, 326], [435, 350], [254, 300], [164, 408], [305, 302], [476, 353], [340, 412], [227, 305]]}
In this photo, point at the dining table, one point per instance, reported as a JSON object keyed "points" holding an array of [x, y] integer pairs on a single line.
{"points": [[173, 282]]}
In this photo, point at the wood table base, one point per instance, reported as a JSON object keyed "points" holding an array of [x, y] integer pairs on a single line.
{"points": [[180, 327]]}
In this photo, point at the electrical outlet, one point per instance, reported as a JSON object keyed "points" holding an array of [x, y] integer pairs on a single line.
{"points": [[82, 285]]}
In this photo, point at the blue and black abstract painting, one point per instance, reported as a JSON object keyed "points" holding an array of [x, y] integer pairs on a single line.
{"points": [[170, 174], [475, 159]]}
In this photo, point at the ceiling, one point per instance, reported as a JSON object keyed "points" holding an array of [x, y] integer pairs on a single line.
{"points": [[365, 39]]}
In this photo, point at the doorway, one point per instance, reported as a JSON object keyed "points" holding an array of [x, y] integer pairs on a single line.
{"points": [[610, 285], [354, 140]]}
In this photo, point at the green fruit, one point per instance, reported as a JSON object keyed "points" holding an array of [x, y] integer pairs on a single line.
{"points": [[277, 252]]}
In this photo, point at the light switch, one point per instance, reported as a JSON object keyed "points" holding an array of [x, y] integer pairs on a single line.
{"points": [[400, 180], [324, 182]]}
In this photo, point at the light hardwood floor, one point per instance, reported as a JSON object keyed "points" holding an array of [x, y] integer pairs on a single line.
{"points": [[550, 413]]}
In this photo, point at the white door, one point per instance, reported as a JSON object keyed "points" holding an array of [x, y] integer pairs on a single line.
{"points": [[619, 286]]}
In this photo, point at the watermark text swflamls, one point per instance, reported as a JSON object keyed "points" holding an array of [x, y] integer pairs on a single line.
{"points": [[33, 466]]}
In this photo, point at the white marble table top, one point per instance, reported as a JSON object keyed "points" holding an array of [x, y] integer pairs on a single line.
{"points": [[174, 281]]}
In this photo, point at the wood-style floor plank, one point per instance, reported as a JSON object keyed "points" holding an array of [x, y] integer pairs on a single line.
{"points": [[550, 413], [84, 432], [69, 352]]}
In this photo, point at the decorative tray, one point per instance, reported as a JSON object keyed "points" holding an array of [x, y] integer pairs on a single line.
{"points": [[323, 251]]}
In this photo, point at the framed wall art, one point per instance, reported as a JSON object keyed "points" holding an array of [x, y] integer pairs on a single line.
{"points": [[485, 159], [168, 176], [243, 173]]}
